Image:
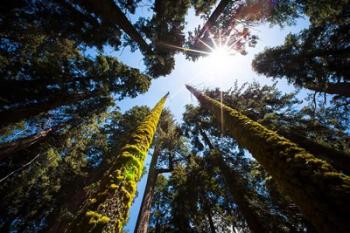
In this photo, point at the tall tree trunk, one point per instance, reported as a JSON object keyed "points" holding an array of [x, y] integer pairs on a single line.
{"points": [[13, 115], [240, 192], [342, 89], [10, 148], [145, 210], [12, 91], [207, 211], [106, 210], [110, 12], [321, 192]]}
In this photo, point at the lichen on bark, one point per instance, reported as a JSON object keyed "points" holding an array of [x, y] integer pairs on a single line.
{"points": [[321, 192], [116, 190]]}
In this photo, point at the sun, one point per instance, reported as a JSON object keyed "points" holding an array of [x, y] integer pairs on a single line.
{"points": [[219, 58]]}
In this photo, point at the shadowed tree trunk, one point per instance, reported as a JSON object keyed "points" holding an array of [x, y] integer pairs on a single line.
{"points": [[145, 209], [240, 193], [321, 192], [110, 12], [13, 115], [203, 33], [342, 89], [8, 149]]}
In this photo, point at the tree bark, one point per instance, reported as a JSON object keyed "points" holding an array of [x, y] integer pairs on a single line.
{"points": [[321, 192], [110, 12], [10, 148], [13, 115], [342, 89], [203, 33], [207, 210], [338, 159], [145, 209], [239, 191], [106, 209]]}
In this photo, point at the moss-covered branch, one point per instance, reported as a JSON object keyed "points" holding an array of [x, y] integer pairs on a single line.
{"points": [[107, 209], [322, 192]]}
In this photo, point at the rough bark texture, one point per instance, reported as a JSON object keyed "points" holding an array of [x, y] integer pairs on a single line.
{"points": [[321, 192], [339, 159], [107, 209]]}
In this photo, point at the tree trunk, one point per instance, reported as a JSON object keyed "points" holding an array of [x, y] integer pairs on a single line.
{"points": [[207, 211], [106, 210], [321, 192], [13, 115], [10, 148], [342, 89], [203, 33], [12, 91], [145, 209], [238, 190], [110, 12]]}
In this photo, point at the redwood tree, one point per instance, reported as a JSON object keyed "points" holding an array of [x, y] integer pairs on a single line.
{"points": [[306, 179]]}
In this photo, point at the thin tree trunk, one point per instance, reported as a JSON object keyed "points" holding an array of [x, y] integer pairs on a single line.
{"points": [[207, 210], [13, 91], [239, 191], [10, 148], [110, 12], [203, 33], [145, 210], [211, 222], [106, 210], [237, 188], [321, 192]]}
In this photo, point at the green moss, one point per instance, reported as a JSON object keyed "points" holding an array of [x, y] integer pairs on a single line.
{"points": [[96, 218], [92, 200], [118, 187], [312, 183]]}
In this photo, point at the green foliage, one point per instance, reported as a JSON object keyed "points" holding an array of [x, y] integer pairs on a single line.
{"points": [[313, 59], [203, 6], [59, 19], [321, 12], [164, 28]]}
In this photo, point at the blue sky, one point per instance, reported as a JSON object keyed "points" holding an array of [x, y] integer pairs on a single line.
{"points": [[202, 73]]}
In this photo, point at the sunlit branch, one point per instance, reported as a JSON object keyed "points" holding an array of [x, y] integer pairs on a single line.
{"points": [[208, 46], [183, 49]]}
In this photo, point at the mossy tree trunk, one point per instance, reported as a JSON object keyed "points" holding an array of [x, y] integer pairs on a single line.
{"points": [[107, 209], [339, 159], [321, 192]]}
